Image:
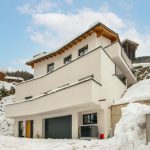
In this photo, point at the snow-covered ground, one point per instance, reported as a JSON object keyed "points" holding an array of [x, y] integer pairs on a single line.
{"points": [[141, 64], [137, 92], [6, 124], [129, 135]]}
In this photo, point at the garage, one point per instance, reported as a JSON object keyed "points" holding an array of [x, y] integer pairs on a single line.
{"points": [[59, 127]]}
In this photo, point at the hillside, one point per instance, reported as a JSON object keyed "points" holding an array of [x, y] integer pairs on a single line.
{"points": [[142, 70], [6, 124]]}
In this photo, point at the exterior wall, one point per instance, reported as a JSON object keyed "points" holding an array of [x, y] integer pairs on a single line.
{"points": [[116, 112], [109, 80], [77, 121], [121, 60], [92, 41], [68, 97], [40, 68], [84, 66]]}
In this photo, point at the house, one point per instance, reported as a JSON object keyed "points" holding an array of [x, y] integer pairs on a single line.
{"points": [[13, 79], [4, 77], [73, 87]]}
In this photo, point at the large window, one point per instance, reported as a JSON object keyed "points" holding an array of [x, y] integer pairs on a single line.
{"points": [[83, 50], [67, 59], [50, 67], [90, 118]]}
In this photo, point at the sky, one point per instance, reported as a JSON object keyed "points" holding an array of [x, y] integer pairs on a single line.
{"points": [[29, 27]]}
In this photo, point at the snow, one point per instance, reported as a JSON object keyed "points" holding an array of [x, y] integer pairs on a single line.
{"points": [[137, 92], [141, 65], [6, 85], [131, 127], [129, 135], [14, 78], [6, 124]]}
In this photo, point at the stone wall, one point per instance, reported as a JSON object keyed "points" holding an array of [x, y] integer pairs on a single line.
{"points": [[116, 112]]}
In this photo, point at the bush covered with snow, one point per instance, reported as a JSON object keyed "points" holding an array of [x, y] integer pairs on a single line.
{"points": [[6, 124], [6, 85]]}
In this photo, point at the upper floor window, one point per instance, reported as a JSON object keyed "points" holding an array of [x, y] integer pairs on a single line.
{"points": [[50, 67], [83, 50], [67, 59], [90, 118]]}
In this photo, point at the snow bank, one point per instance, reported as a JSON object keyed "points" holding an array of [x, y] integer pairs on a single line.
{"points": [[141, 65], [6, 124], [130, 130], [137, 92], [6, 85]]}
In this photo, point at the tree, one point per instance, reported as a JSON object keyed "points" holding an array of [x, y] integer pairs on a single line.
{"points": [[4, 92]]}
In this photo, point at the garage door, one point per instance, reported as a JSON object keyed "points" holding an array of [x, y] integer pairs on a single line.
{"points": [[58, 128]]}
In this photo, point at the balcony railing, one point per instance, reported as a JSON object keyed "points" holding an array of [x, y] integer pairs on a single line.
{"points": [[62, 98]]}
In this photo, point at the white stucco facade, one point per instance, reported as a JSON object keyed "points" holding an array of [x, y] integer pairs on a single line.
{"points": [[87, 84]]}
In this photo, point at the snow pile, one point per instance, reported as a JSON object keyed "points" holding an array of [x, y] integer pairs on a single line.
{"points": [[141, 65], [137, 92], [6, 124], [130, 132], [6, 85], [129, 135]]}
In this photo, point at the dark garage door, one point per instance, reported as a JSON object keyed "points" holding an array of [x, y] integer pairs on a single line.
{"points": [[58, 128]]}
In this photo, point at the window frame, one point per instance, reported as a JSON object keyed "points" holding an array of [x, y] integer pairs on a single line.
{"points": [[90, 114], [82, 51], [69, 57], [51, 64]]}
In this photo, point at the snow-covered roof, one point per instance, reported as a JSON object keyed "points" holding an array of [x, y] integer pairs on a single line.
{"points": [[14, 78], [137, 92]]}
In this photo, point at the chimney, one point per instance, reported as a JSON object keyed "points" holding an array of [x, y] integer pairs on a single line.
{"points": [[130, 48]]}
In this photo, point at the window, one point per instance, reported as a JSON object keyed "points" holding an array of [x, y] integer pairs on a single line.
{"points": [[90, 118], [20, 128], [83, 50], [28, 97], [50, 67], [67, 59]]}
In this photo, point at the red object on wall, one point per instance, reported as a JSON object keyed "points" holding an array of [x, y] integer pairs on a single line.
{"points": [[101, 136]]}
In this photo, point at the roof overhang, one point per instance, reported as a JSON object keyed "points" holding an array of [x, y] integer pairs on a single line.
{"points": [[100, 29]]}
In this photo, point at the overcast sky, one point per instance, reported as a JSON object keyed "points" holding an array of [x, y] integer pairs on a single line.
{"points": [[28, 27]]}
